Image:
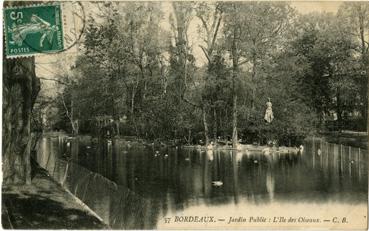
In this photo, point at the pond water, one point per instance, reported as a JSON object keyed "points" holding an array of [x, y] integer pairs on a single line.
{"points": [[143, 184]]}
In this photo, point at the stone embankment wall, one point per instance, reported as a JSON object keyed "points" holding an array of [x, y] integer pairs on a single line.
{"points": [[108, 200]]}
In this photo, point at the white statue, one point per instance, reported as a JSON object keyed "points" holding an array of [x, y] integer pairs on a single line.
{"points": [[269, 112]]}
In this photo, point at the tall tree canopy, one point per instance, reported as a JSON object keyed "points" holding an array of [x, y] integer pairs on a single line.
{"points": [[140, 71]]}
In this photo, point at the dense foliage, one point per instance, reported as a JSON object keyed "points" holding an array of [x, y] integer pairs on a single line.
{"points": [[138, 76]]}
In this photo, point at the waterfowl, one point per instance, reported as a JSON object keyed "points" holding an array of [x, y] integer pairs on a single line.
{"points": [[217, 183], [301, 149], [266, 151]]}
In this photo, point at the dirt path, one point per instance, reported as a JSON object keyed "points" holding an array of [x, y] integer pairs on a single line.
{"points": [[44, 205]]}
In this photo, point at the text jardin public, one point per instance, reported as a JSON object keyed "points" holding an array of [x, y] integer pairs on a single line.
{"points": [[209, 219]]}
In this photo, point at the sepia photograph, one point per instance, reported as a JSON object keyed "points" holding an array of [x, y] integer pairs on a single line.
{"points": [[185, 115]]}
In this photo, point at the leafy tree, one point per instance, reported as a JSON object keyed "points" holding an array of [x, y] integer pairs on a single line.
{"points": [[142, 79], [354, 20], [215, 81], [330, 72], [252, 31]]}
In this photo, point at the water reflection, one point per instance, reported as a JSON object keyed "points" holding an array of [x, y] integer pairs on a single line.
{"points": [[153, 181]]}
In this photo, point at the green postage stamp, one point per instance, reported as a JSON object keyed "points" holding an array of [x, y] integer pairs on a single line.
{"points": [[34, 29]]}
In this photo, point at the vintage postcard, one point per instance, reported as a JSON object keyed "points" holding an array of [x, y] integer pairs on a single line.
{"points": [[185, 115]]}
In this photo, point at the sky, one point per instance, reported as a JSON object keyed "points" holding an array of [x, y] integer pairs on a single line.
{"points": [[50, 66]]}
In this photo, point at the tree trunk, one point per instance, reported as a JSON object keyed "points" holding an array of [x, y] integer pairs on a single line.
{"points": [[189, 136], [74, 122], [234, 123], [206, 129], [367, 101], [367, 93], [215, 127], [117, 127], [235, 59], [365, 60], [133, 102], [339, 110], [253, 79], [362, 33], [20, 89]]}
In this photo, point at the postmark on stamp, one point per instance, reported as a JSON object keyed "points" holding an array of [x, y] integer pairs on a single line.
{"points": [[33, 29]]}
